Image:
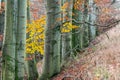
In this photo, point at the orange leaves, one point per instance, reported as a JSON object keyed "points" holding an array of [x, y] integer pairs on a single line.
{"points": [[2, 7], [106, 10], [1, 37], [65, 6], [102, 1], [78, 4], [37, 8], [31, 57], [59, 19]]}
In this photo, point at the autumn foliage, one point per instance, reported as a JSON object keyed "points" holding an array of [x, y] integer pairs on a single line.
{"points": [[35, 31]]}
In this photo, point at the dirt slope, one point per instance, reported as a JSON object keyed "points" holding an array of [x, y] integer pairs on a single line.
{"points": [[101, 62]]}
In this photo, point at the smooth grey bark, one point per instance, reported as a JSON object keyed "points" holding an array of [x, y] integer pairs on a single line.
{"points": [[67, 36], [2, 22], [92, 20], [85, 26], [51, 64], [77, 40], [32, 69], [21, 39], [2, 15], [8, 66]]}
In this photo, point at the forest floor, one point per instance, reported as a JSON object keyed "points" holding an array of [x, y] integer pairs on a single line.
{"points": [[98, 62]]}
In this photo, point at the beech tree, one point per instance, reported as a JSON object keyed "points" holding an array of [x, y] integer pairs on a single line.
{"points": [[51, 64], [92, 20], [66, 36], [85, 26], [2, 14], [21, 39], [8, 66], [77, 39], [70, 25]]}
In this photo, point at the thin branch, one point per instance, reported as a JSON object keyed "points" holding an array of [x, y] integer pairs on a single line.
{"points": [[95, 24]]}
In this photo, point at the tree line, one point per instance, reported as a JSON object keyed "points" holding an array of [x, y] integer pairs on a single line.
{"points": [[70, 27]]}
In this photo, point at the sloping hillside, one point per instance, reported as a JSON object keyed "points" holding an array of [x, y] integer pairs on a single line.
{"points": [[99, 62]]}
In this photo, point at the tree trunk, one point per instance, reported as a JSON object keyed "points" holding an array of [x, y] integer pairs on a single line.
{"points": [[92, 20], [30, 64], [67, 36], [2, 15], [77, 33], [85, 26], [51, 64], [2, 22], [21, 39], [8, 66]]}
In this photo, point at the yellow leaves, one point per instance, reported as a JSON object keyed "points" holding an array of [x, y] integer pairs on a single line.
{"points": [[41, 36], [74, 27], [41, 49], [67, 27], [65, 30], [28, 49], [35, 41], [35, 32]]}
